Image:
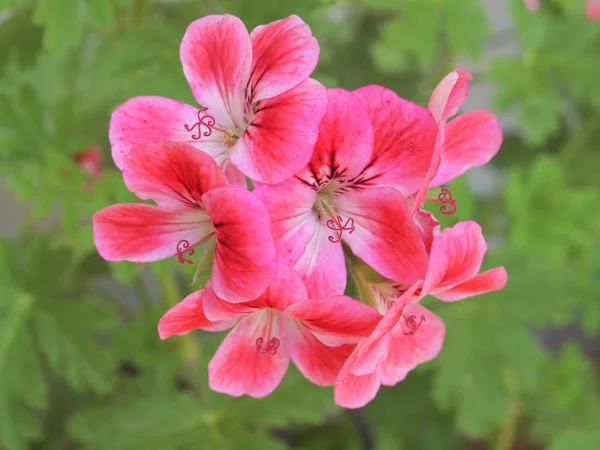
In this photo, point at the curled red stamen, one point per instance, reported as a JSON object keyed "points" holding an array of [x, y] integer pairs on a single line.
{"points": [[271, 347], [182, 249], [412, 325], [448, 203], [203, 120], [335, 224]]}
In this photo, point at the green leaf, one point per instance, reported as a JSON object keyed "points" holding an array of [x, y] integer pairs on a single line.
{"points": [[63, 30], [100, 13], [468, 39]]}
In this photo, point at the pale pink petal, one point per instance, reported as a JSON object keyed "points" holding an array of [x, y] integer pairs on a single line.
{"points": [[345, 141], [335, 320], [592, 10], [353, 391], [216, 53], [488, 281], [244, 263], [417, 338], [472, 139], [284, 54], [301, 240], [385, 236], [405, 136], [280, 139], [143, 233], [142, 119], [449, 95], [456, 256], [189, 315], [173, 174], [318, 363], [238, 366]]}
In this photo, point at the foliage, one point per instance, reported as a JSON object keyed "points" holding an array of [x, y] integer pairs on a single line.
{"points": [[82, 367]]}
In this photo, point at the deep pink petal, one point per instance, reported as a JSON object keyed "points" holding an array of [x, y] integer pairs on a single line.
{"points": [[238, 367], [449, 95], [428, 227], [173, 174], [219, 309], [284, 54], [142, 119], [301, 240], [411, 346], [318, 363], [280, 139], [345, 141], [405, 135], [488, 281], [244, 262], [216, 53], [471, 140], [142, 233], [385, 236], [285, 289], [353, 391], [456, 256], [335, 320], [189, 315]]}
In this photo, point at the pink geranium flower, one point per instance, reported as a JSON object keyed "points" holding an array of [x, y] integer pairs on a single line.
{"points": [[317, 335], [90, 161], [260, 112], [373, 150], [592, 10], [532, 5], [409, 334], [195, 204]]}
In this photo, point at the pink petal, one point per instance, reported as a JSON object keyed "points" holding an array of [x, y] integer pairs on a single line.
{"points": [[173, 174], [353, 391], [449, 95], [405, 135], [592, 10], [142, 233], [318, 363], [385, 237], [428, 227], [189, 315], [301, 240], [335, 320], [245, 261], [488, 281], [238, 367], [345, 141], [471, 140], [143, 119], [284, 55], [532, 5], [280, 139], [216, 53], [219, 309], [409, 347], [456, 256], [285, 289]]}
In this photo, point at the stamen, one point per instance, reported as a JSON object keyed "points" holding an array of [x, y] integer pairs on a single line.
{"points": [[448, 203], [335, 224], [413, 326], [182, 249], [203, 120], [271, 348]]}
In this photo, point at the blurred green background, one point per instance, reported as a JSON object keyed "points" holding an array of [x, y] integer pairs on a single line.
{"points": [[81, 365]]}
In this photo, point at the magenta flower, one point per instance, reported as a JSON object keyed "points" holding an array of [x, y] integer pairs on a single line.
{"points": [[260, 112], [317, 335], [409, 334], [195, 204], [373, 150]]}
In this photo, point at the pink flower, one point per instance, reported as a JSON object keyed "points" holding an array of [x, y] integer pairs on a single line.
{"points": [[195, 204], [532, 5], [373, 150], [592, 10], [409, 334], [260, 112], [90, 161], [317, 335]]}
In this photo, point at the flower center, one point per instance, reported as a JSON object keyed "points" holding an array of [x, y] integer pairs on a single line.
{"points": [[206, 125], [445, 198], [269, 344], [334, 221]]}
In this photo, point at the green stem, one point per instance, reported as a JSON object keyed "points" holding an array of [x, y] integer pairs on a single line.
{"points": [[508, 431], [140, 11], [589, 128]]}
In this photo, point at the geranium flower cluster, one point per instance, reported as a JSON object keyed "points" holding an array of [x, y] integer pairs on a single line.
{"points": [[592, 8], [340, 178]]}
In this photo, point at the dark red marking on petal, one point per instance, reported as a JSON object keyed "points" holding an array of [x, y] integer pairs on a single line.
{"points": [[203, 120], [412, 325], [182, 249]]}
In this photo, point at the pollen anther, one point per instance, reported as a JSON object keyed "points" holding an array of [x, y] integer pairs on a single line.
{"points": [[270, 348], [335, 224], [203, 120]]}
